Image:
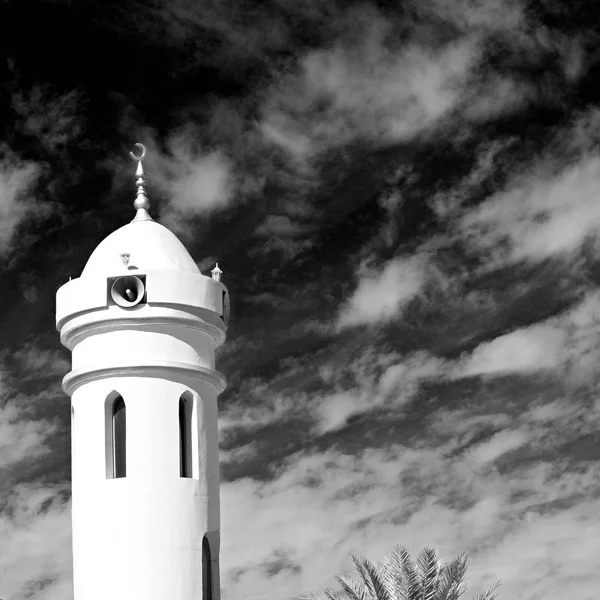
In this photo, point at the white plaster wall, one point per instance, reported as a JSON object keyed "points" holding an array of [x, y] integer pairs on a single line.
{"points": [[185, 289], [141, 536], [145, 343]]}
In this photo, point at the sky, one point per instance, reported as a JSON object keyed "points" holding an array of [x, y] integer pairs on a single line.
{"points": [[404, 198]]}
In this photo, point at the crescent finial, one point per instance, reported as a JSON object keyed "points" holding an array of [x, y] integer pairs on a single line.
{"points": [[141, 203], [142, 156]]}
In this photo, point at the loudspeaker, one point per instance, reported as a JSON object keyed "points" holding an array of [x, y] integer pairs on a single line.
{"points": [[127, 291]]}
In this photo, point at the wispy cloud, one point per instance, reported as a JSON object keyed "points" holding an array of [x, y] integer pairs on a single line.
{"points": [[366, 504], [498, 445], [283, 234], [53, 119], [487, 15], [17, 177], [36, 362], [525, 350], [368, 381], [380, 295], [541, 215], [565, 345], [194, 180], [36, 558], [22, 439], [388, 381], [32, 513], [366, 87]]}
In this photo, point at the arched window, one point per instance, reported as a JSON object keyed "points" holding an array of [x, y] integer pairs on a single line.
{"points": [[207, 584], [185, 436], [119, 438]]}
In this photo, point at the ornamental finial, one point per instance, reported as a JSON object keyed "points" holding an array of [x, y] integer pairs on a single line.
{"points": [[141, 203], [216, 273]]}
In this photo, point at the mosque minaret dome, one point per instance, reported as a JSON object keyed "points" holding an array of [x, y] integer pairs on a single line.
{"points": [[142, 323]]}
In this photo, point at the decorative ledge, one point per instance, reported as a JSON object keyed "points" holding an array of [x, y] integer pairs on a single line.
{"points": [[75, 379], [71, 334]]}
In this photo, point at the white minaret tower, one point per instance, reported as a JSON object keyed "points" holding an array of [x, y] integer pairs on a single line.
{"points": [[142, 324]]}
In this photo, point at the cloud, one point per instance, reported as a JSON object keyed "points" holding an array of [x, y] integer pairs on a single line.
{"points": [[332, 504], [498, 445], [380, 296], [388, 381], [539, 570], [196, 183], [541, 215], [389, 80], [284, 235], [22, 439], [36, 362], [273, 409], [350, 387], [17, 177], [581, 350], [495, 96], [36, 558], [194, 180], [487, 15], [297, 144], [525, 350], [53, 119], [334, 410], [566, 346], [366, 87]]}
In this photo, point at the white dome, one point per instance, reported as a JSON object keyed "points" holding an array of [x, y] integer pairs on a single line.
{"points": [[151, 247]]}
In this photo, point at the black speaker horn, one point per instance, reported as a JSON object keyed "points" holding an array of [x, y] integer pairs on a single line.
{"points": [[127, 291]]}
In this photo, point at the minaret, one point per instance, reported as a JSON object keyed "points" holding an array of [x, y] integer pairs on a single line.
{"points": [[142, 324]]}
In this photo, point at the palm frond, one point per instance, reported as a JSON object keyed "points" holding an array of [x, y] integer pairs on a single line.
{"points": [[429, 568], [377, 579], [397, 577], [451, 579], [489, 593], [326, 594], [352, 588], [392, 577], [401, 568], [359, 564], [410, 576]]}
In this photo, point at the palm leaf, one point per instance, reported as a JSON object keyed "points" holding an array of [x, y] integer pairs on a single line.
{"points": [[451, 579], [410, 576], [388, 580], [377, 580], [429, 568], [401, 568], [392, 577], [326, 594], [352, 588], [365, 576], [489, 593], [397, 577]]}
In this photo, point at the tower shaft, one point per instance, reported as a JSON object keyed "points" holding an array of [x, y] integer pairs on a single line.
{"points": [[145, 464]]}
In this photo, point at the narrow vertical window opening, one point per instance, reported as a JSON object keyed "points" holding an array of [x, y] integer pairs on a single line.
{"points": [[207, 584], [185, 437], [119, 438]]}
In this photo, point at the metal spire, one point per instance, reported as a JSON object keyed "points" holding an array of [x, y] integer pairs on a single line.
{"points": [[141, 203]]}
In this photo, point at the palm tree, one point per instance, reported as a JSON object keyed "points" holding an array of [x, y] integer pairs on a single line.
{"points": [[399, 578]]}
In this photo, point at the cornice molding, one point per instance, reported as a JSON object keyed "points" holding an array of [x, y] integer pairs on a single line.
{"points": [[79, 377], [69, 336]]}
